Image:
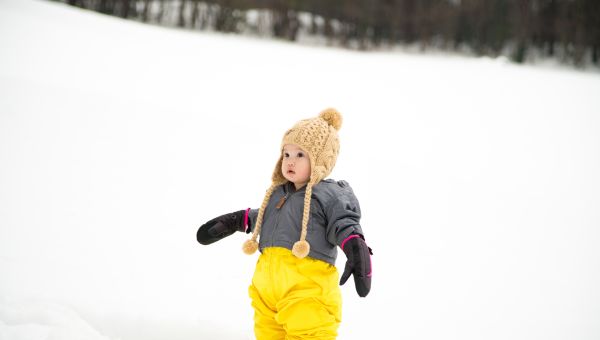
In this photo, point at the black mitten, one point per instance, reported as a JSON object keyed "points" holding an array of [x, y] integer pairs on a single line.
{"points": [[221, 227], [358, 263]]}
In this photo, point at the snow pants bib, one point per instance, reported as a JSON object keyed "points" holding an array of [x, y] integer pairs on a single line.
{"points": [[294, 298]]}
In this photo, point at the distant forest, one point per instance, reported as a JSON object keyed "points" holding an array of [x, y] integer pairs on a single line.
{"points": [[568, 30]]}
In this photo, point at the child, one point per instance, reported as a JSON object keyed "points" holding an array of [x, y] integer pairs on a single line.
{"points": [[302, 219]]}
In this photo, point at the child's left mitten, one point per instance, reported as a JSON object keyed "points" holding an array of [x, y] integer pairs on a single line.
{"points": [[222, 226], [358, 263]]}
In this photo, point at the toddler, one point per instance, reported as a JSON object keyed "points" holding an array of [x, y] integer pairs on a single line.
{"points": [[301, 222]]}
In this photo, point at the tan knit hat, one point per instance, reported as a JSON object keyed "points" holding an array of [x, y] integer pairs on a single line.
{"points": [[318, 137]]}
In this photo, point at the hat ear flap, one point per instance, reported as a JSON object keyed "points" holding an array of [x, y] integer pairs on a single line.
{"points": [[318, 173], [277, 177]]}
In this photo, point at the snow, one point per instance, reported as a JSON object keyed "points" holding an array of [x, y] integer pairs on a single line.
{"points": [[478, 181]]}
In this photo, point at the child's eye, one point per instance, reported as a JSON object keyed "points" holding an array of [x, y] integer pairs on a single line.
{"points": [[286, 155], [300, 154]]}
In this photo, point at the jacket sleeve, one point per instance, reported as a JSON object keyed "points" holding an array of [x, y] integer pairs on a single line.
{"points": [[252, 216], [343, 214]]}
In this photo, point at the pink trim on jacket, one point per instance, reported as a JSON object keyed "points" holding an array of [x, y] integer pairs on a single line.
{"points": [[246, 220], [348, 239]]}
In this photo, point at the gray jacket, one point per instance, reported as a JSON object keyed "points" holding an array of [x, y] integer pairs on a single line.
{"points": [[334, 215]]}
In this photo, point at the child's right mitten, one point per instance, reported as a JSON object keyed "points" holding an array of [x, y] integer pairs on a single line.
{"points": [[222, 226], [358, 264]]}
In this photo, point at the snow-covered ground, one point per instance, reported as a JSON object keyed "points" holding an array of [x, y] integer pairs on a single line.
{"points": [[478, 181]]}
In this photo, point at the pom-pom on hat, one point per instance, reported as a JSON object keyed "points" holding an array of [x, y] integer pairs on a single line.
{"points": [[318, 137]]}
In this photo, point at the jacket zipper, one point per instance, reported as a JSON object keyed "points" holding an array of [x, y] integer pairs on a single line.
{"points": [[281, 201], [278, 206]]}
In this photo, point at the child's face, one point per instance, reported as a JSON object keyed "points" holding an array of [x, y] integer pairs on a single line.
{"points": [[295, 165]]}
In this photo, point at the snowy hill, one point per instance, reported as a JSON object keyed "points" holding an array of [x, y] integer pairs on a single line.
{"points": [[478, 182]]}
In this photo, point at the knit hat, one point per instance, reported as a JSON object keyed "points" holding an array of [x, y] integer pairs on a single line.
{"points": [[318, 137]]}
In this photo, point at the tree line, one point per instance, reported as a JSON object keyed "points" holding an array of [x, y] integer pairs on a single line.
{"points": [[568, 30]]}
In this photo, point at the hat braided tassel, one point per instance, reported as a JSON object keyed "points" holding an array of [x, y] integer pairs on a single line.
{"points": [[251, 246], [302, 248]]}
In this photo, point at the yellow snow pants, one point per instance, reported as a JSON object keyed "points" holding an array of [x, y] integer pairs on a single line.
{"points": [[294, 298]]}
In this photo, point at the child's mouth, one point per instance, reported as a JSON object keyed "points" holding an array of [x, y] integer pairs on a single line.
{"points": [[291, 172]]}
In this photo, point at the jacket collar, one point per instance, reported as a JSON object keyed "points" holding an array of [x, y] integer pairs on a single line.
{"points": [[290, 188]]}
